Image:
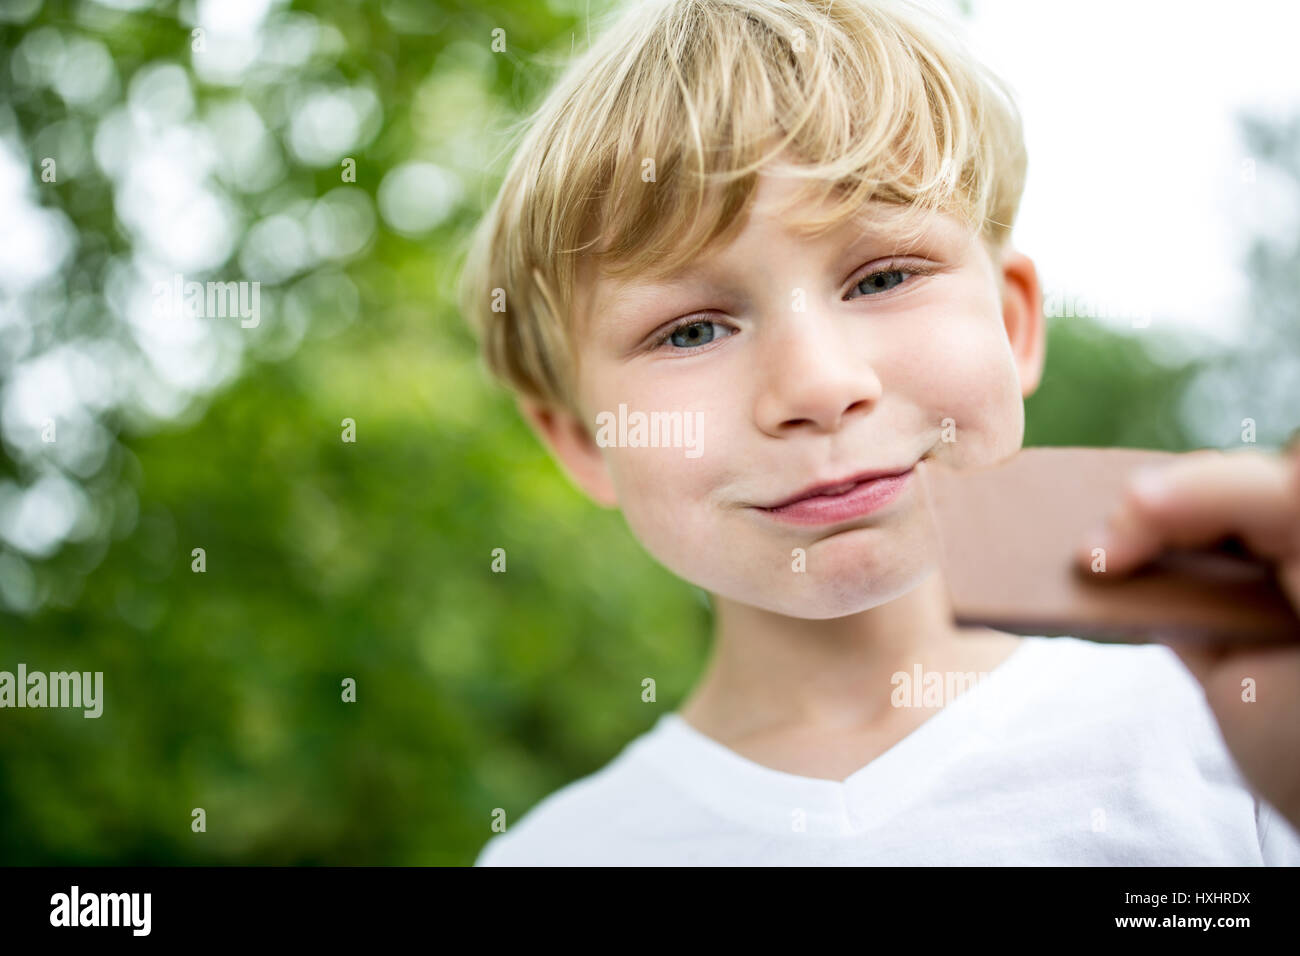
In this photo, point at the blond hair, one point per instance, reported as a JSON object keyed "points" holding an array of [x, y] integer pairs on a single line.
{"points": [[876, 99]]}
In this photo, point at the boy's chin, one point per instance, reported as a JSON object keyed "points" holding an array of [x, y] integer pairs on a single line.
{"points": [[826, 596]]}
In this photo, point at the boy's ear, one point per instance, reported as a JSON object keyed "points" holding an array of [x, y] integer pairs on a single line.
{"points": [[573, 447], [1022, 316]]}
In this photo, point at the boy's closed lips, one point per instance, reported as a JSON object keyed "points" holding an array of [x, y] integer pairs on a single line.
{"points": [[830, 503]]}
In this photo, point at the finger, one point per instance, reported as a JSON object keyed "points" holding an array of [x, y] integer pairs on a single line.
{"points": [[1200, 499]]}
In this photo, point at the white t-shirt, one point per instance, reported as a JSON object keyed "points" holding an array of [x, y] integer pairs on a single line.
{"points": [[1068, 752]]}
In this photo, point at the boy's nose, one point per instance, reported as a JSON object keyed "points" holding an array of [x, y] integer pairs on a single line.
{"points": [[812, 380]]}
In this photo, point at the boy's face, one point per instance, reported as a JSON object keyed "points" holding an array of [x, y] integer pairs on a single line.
{"points": [[808, 360]]}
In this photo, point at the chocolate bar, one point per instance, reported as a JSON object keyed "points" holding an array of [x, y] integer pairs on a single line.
{"points": [[1008, 535]]}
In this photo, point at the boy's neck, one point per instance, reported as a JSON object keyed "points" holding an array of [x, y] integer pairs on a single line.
{"points": [[772, 672]]}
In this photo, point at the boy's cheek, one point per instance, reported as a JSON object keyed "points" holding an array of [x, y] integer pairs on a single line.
{"points": [[663, 484], [971, 392], [674, 528], [665, 495]]}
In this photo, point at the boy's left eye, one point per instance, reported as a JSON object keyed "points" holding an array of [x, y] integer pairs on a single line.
{"points": [[881, 281], [885, 279]]}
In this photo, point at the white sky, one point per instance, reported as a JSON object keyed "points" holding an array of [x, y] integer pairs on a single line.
{"points": [[1136, 192]]}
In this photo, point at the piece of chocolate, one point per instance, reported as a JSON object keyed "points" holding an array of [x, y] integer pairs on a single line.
{"points": [[1008, 534]]}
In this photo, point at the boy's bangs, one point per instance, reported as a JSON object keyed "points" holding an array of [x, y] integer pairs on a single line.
{"points": [[748, 88]]}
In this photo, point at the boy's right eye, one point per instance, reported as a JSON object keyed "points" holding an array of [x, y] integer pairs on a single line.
{"points": [[687, 334]]}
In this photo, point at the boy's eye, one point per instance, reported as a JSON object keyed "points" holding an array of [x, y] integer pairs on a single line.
{"points": [[692, 333], [882, 281], [893, 275]]}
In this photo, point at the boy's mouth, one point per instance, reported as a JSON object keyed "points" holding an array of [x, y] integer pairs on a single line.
{"points": [[839, 486], [829, 502]]}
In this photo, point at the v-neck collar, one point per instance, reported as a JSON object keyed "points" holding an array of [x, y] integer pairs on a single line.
{"points": [[741, 789]]}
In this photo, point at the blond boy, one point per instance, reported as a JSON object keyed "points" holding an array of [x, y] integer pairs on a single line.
{"points": [[790, 221]]}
